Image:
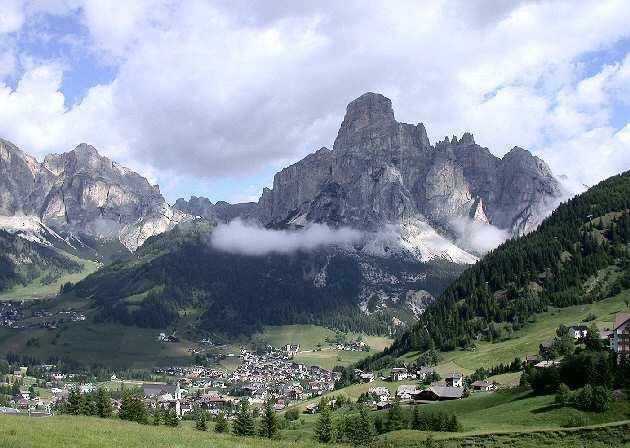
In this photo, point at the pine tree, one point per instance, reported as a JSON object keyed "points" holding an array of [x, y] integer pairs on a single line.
{"points": [[416, 421], [395, 417], [221, 424], [244, 424], [201, 422], [103, 403], [268, 423], [170, 418], [74, 402], [87, 406], [324, 426], [157, 416], [132, 408], [364, 431]]}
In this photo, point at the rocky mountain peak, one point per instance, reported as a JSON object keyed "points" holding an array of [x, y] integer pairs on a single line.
{"points": [[84, 193], [368, 114], [467, 139], [381, 172]]}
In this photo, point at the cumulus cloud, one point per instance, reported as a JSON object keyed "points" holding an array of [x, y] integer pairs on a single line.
{"points": [[222, 89], [476, 236], [250, 239]]}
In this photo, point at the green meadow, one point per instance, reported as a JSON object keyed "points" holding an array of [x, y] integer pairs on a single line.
{"points": [[526, 341]]}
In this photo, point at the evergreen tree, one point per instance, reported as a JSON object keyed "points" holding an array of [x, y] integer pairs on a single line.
{"points": [[87, 405], [364, 431], [201, 422], [395, 417], [416, 422], [324, 426], [170, 418], [563, 395], [74, 402], [269, 422], [103, 403], [157, 416], [221, 424], [244, 424], [132, 408]]}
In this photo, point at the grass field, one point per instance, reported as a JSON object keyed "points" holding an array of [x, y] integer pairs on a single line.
{"points": [[508, 410], [601, 436], [526, 340], [87, 432], [37, 290], [502, 419], [88, 342]]}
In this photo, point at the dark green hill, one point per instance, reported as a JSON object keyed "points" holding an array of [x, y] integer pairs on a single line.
{"points": [[179, 275], [579, 254]]}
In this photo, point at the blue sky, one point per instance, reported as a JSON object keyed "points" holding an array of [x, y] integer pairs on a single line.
{"points": [[212, 98]]}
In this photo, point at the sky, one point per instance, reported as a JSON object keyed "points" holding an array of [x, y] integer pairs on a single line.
{"points": [[211, 98]]}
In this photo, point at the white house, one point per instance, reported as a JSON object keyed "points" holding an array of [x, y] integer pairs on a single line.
{"points": [[406, 391], [620, 341], [578, 331], [454, 379], [399, 373], [381, 392]]}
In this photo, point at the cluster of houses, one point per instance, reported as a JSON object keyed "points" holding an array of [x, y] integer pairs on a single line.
{"points": [[351, 346], [617, 338], [259, 377], [274, 375], [13, 314]]}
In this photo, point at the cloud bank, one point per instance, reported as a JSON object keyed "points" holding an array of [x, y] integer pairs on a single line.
{"points": [[478, 237], [216, 90], [250, 239]]}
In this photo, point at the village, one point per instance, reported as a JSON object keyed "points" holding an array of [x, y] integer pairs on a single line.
{"points": [[18, 316], [270, 374]]}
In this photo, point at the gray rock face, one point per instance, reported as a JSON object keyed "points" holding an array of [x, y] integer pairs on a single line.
{"points": [[82, 192], [221, 211], [382, 171]]}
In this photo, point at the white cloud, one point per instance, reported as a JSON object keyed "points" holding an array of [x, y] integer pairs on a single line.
{"points": [[218, 89], [476, 236], [12, 16], [250, 239]]}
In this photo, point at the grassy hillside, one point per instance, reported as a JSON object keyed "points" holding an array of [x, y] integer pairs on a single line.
{"points": [[123, 346], [43, 286], [87, 432], [526, 341], [578, 256], [599, 436], [490, 420], [30, 268]]}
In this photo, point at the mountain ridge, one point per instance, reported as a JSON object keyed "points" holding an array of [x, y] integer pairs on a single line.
{"points": [[82, 192]]}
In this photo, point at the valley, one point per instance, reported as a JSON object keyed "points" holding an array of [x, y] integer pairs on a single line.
{"points": [[353, 294]]}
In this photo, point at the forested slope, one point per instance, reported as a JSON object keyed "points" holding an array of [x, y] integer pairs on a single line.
{"points": [[180, 275], [579, 254], [22, 261]]}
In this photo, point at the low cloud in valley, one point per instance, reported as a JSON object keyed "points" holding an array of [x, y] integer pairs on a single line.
{"points": [[476, 236], [251, 239]]}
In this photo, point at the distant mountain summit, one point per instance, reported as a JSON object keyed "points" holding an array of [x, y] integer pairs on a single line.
{"points": [[82, 193], [382, 171], [413, 198]]}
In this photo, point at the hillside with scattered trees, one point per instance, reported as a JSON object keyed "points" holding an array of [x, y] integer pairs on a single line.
{"points": [[580, 254]]}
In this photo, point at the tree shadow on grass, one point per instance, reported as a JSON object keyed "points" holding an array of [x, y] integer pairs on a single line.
{"points": [[547, 408]]}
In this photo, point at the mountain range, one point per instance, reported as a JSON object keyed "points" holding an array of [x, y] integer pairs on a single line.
{"points": [[423, 213]]}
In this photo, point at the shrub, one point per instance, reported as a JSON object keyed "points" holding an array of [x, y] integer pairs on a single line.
{"points": [[574, 421]]}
